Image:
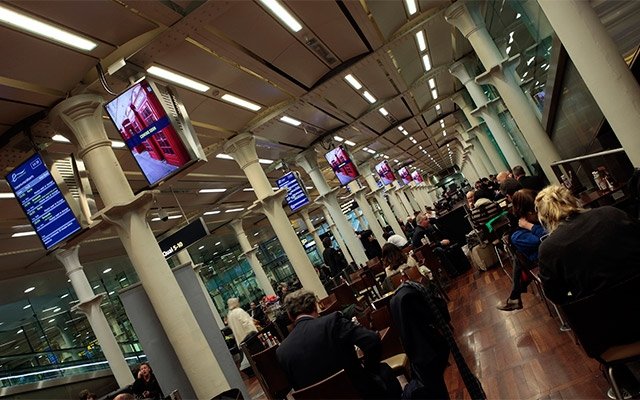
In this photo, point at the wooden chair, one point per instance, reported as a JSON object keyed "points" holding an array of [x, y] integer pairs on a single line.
{"points": [[337, 386], [324, 303], [333, 307], [269, 373], [344, 295], [380, 319], [393, 353], [373, 261]]}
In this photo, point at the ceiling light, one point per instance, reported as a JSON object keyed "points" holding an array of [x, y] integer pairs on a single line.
{"points": [[233, 210], [52, 320], [117, 144], [508, 50], [444, 133], [546, 68], [224, 156], [338, 138], [396, 161], [27, 306], [383, 111], [177, 78], [442, 123], [256, 234], [7, 195], [31, 289], [216, 190], [217, 243], [518, 15], [247, 190], [422, 44], [386, 157], [20, 331], [369, 97], [353, 82], [308, 187], [529, 61], [64, 295], [371, 151], [525, 73], [420, 147], [350, 143], [57, 309], [434, 93], [265, 161], [427, 62], [282, 14], [411, 138], [201, 247], [290, 121], [48, 31], [106, 271], [229, 98], [214, 212], [438, 107], [59, 138], [432, 83], [21, 234], [412, 7], [169, 217]]}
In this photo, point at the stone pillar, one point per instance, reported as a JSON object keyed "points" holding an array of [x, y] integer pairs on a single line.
{"points": [[251, 253], [408, 193], [308, 160], [82, 114], [312, 230], [243, 149], [89, 305], [378, 193], [336, 235], [466, 16], [396, 202], [418, 195], [482, 154], [477, 161], [359, 194], [601, 66]]}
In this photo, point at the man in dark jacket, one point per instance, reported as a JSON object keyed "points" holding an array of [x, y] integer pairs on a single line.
{"points": [[527, 182], [318, 347], [333, 258]]}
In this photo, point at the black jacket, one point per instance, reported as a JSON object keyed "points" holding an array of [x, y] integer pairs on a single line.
{"points": [[534, 183], [334, 260], [430, 231]]}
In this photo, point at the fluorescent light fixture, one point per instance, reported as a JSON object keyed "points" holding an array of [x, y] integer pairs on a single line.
{"points": [[170, 217], [282, 14], [371, 151], [20, 331], [52, 320], [350, 143], [422, 44], [338, 138], [386, 157], [21, 234], [546, 68], [420, 147], [106, 271], [233, 210], [57, 309], [444, 133], [7, 195], [216, 190], [290, 121], [214, 212], [365, 149], [434, 93], [27, 306], [353, 82], [412, 7], [396, 160], [45, 30], [117, 144], [400, 128], [247, 190], [31, 289], [64, 295], [124, 278], [411, 138], [442, 123], [224, 156], [432, 83], [525, 73], [510, 39], [518, 15], [265, 161], [201, 247], [508, 50], [308, 187], [229, 98], [383, 111], [427, 62], [59, 138], [438, 107], [177, 78], [369, 97]]}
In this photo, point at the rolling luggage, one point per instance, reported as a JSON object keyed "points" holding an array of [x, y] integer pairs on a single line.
{"points": [[483, 257]]}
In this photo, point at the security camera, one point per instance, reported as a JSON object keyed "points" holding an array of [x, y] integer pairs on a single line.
{"points": [[163, 215]]}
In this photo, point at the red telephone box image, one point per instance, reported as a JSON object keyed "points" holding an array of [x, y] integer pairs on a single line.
{"points": [[405, 175], [342, 165], [386, 174], [147, 130]]}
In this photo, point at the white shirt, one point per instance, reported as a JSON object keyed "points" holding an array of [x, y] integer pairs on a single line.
{"points": [[241, 324], [397, 240]]}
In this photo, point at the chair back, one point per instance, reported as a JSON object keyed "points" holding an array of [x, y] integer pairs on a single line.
{"points": [[396, 280], [380, 318], [327, 301], [373, 261], [337, 386], [344, 295], [377, 268], [413, 273], [269, 373], [335, 306], [607, 318]]}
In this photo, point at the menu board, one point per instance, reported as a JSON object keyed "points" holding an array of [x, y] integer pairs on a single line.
{"points": [[296, 194], [43, 202]]}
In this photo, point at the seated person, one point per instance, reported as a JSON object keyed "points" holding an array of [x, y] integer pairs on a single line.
{"points": [[534, 183], [395, 261], [318, 347], [146, 386], [424, 229], [396, 239], [526, 240]]}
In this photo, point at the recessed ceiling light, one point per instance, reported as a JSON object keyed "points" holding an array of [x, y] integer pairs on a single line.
{"points": [[422, 44], [508, 50], [248, 190], [31, 289], [432, 83], [529, 61], [59, 138], [434, 93], [52, 320], [216, 190], [438, 107], [383, 111], [7, 195], [386, 157], [412, 7], [426, 61], [371, 151], [224, 156], [290, 121], [177, 78], [170, 217], [256, 234], [20, 331], [353, 82], [117, 144], [64, 295], [214, 212], [57, 309], [350, 143], [229, 98], [369, 97], [27, 306], [518, 15], [233, 210], [21, 234], [45, 30], [411, 138], [265, 161], [201, 247], [338, 138], [282, 14], [106, 271]]}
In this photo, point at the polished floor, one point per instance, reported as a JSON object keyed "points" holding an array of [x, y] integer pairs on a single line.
{"points": [[517, 355]]}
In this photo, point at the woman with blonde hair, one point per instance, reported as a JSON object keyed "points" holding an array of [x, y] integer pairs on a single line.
{"points": [[586, 250]]}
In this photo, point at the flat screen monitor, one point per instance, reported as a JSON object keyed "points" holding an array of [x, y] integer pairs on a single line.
{"points": [[417, 177], [386, 174], [43, 202], [405, 175], [342, 165], [297, 196], [149, 131]]}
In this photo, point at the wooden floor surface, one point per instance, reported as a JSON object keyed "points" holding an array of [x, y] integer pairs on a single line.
{"points": [[516, 355]]}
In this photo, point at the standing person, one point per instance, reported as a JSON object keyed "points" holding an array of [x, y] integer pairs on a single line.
{"points": [[371, 246], [146, 385], [333, 258], [318, 347], [257, 313], [241, 324], [526, 240], [534, 183]]}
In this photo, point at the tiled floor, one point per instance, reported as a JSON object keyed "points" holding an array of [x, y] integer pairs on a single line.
{"points": [[517, 355]]}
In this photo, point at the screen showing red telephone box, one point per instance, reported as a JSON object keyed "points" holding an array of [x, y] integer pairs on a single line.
{"points": [[342, 165]]}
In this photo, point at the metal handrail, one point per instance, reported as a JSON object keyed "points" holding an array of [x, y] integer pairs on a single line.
{"points": [[587, 156]]}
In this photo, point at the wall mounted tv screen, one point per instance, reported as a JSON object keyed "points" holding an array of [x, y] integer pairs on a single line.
{"points": [[342, 165], [297, 196], [405, 175], [43, 202], [417, 177], [149, 132], [386, 174]]}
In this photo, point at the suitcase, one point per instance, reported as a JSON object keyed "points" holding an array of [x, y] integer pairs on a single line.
{"points": [[483, 257]]}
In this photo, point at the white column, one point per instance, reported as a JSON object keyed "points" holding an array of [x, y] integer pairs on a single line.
{"points": [[404, 201], [398, 208], [408, 193], [466, 16], [251, 253], [419, 196], [482, 154], [601, 66], [82, 114], [89, 305], [308, 160], [336, 234], [378, 192], [243, 149], [359, 194], [312, 230]]}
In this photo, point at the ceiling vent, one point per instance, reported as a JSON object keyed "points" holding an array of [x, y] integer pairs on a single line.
{"points": [[321, 51]]}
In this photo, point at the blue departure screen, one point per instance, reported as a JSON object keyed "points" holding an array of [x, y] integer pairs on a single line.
{"points": [[296, 195], [42, 201]]}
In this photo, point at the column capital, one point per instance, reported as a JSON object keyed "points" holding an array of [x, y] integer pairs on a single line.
{"points": [[82, 116], [243, 149], [504, 69], [85, 306], [465, 15], [308, 160], [69, 258], [490, 107], [459, 70], [236, 225], [460, 99]]}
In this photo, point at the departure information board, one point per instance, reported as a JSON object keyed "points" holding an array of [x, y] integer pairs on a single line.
{"points": [[296, 194], [43, 202]]}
